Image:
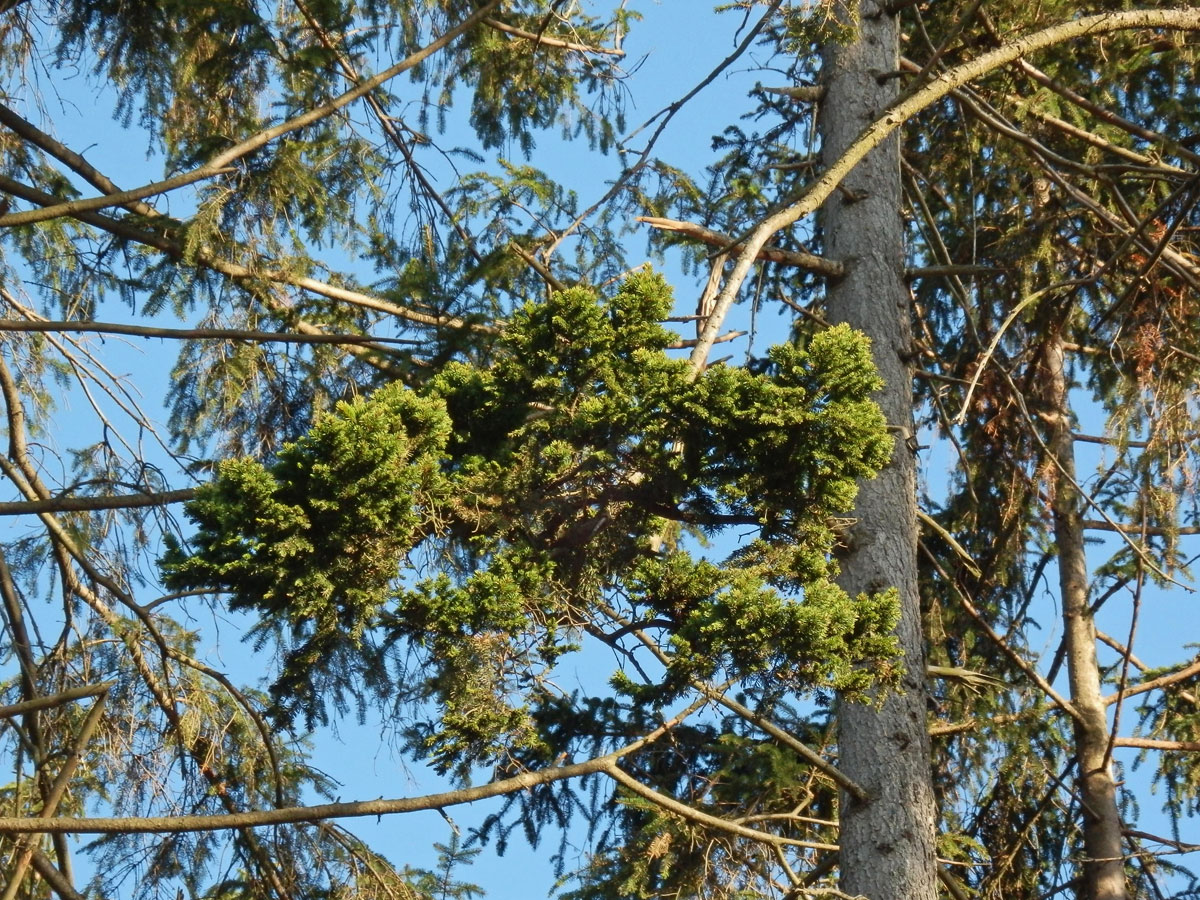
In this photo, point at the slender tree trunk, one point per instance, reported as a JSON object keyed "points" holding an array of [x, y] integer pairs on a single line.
{"points": [[887, 844], [1103, 868]]}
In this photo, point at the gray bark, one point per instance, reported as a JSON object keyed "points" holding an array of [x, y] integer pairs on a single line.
{"points": [[887, 843], [1103, 866]]}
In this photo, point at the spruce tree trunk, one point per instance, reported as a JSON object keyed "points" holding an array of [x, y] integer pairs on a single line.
{"points": [[1103, 868], [887, 844]]}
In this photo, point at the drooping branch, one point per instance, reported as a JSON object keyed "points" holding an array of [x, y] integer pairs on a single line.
{"points": [[59, 883], [57, 791], [391, 127], [160, 239], [220, 163], [1051, 455], [245, 273], [1106, 115], [666, 115], [341, 810], [1001, 644], [1089, 137], [790, 741], [188, 334], [66, 552], [537, 265], [1181, 264]]}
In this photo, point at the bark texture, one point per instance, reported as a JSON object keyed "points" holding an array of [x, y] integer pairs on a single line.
{"points": [[1103, 867], [887, 843]]}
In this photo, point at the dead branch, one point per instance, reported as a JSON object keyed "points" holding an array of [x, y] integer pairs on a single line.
{"points": [[798, 258], [545, 41]]}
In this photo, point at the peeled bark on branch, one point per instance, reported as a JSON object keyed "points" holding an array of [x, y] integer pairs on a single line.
{"points": [[803, 93]]}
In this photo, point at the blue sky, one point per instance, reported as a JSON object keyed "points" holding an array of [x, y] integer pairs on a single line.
{"points": [[677, 50]]}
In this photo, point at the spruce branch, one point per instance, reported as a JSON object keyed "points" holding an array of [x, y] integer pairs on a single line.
{"points": [[244, 273], [220, 164]]}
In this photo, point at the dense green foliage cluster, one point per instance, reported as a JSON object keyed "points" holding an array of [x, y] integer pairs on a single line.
{"points": [[458, 481], [488, 518]]}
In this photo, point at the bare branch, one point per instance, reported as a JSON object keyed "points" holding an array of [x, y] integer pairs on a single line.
{"points": [[798, 258], [951, 270], [728, 336], [1153, 744], [948, 728], [52, 700], [1154, 683], [701, 818], [1177, 845], [1138, 528], [803, 93], [355, 809], [545, 41], [93, 504], [202, 334]]}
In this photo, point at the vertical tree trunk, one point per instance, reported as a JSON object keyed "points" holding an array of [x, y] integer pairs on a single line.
{"points": [[887, 844], [1103, 868]]}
